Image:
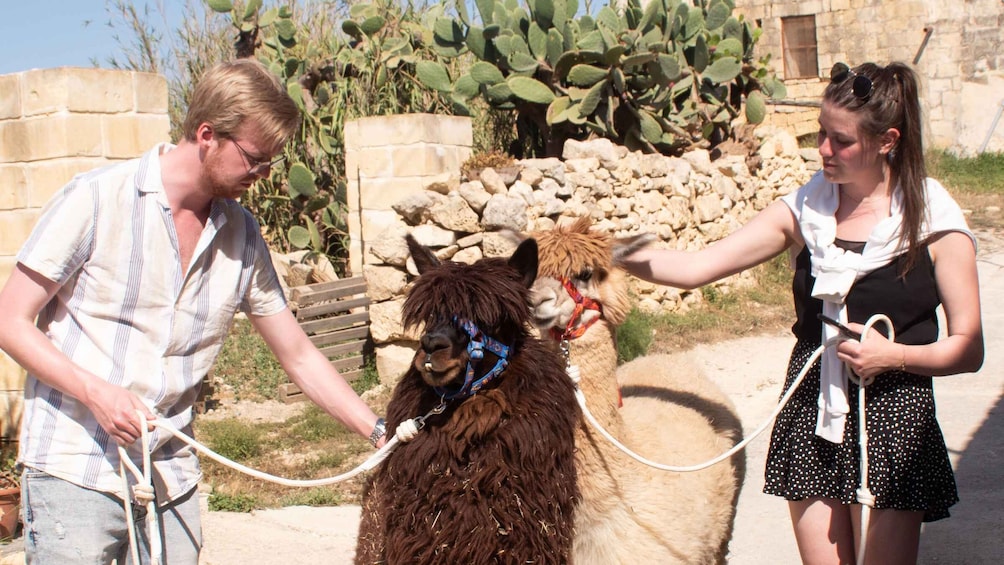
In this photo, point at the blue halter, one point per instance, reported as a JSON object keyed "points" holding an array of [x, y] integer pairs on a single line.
{"points": [[475, 352]]}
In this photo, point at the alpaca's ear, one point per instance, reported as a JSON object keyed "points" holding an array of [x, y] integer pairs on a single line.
{"points": [[625, 246], [424, 258], [524, 260]]}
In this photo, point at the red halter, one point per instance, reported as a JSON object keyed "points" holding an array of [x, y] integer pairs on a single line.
{"points": [[582, 303]]}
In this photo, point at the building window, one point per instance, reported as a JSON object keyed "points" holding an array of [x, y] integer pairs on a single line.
{"points": [[798, 42]]}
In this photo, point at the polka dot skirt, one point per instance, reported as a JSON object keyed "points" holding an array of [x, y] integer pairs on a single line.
{"points": [[909, 467]]}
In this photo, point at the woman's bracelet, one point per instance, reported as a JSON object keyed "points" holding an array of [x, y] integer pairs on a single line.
{"points": [[902, 363]]}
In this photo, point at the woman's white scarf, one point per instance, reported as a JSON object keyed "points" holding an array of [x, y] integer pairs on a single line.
{"points": [[836, 270]]}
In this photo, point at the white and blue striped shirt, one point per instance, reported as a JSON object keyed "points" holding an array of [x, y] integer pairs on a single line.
{"points": [[127, 313]]}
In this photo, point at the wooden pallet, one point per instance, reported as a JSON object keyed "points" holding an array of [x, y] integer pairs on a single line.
{"points": [[336, 317], [205, 401]]}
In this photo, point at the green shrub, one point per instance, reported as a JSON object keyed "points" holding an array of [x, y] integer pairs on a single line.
{"points": [[634, 336]]}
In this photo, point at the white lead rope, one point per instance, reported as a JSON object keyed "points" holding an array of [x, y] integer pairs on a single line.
{"points": [[144, 494], [143, 491], [573, 373], [863, 493]]}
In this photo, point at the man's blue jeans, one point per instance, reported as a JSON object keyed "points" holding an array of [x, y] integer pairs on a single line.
{"points": [[65, 523]]}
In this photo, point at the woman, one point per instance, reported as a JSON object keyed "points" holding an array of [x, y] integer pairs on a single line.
{"points": [[872, 235]]}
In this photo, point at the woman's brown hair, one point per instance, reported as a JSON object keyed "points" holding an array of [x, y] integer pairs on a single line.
{"points": [[892, 102]]}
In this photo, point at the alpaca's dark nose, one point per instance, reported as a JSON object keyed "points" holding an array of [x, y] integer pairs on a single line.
{"points": [[435, 341]]}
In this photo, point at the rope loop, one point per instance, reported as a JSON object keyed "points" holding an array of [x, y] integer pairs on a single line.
{"points": [[143, 493], [408, 430]]}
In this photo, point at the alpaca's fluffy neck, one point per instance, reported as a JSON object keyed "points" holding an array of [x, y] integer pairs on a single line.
{"points": [[596, 355]]}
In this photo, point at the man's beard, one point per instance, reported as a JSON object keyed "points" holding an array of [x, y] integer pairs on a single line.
{"points": [[213, 180]]}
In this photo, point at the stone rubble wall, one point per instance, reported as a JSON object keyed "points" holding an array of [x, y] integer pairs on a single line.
{"points": [[688, 202]]}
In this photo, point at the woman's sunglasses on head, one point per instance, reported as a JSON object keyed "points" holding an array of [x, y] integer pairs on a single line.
{"points": [[862, 85]]}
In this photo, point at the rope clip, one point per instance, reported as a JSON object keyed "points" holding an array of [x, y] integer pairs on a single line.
{"points": [[437, 409]]}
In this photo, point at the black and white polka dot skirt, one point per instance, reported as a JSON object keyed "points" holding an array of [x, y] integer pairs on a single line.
{"points": [[908, 465]]}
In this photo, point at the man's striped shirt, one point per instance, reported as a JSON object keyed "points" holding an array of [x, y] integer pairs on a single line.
{"points": [[127, 313]]}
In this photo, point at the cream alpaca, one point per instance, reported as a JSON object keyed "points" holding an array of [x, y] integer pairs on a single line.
{"points": [[630, 513]]}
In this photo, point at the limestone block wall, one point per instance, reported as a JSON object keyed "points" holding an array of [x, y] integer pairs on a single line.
{"points": [[390, 157], [799, 118], [55, 123], [964, 47]]}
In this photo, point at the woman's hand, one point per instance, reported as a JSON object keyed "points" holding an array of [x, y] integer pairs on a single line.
{"points": [[874, 355]]}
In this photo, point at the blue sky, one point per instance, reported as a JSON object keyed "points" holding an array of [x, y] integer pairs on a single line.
{"points": [[53, 33]]}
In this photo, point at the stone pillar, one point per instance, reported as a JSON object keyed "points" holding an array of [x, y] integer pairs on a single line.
{"points": [[390, 157], [55, 123], [387, 159]]}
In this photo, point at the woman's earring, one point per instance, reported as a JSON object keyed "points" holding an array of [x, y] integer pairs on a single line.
{"points": [[890, 156]]}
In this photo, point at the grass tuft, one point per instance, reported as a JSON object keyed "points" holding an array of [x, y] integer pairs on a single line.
{"points": [[976, 183], [239, 502], [634, 336], [981, 174], [313, 424], [232, 438], [321, 496], [247, 366]]}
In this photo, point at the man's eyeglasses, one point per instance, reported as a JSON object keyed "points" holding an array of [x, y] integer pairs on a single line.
{"points": [[862, 85], [256, 167]]}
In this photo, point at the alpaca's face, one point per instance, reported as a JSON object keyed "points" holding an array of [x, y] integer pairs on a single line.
{"points": [[442, 355], [588, 261], [493, 294]]}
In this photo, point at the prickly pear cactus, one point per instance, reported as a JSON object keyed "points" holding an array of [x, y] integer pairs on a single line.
{"points": [[663, 78]]}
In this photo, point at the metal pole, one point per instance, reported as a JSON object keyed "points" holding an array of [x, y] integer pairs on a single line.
{"points": [[923, 44]]}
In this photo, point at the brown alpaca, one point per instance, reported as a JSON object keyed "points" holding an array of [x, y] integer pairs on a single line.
{"points": [[659, 406], [492, 478]]}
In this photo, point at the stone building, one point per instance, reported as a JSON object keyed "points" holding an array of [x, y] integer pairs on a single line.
{"points": [[955, 47]]}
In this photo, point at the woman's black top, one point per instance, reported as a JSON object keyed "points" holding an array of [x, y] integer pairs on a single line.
{"points": [[910, 301]]}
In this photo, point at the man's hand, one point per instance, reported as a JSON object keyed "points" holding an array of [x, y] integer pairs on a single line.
{"points": [[115, 409]]}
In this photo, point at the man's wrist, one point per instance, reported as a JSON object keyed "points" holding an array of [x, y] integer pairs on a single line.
{"points": [[379, 430]]}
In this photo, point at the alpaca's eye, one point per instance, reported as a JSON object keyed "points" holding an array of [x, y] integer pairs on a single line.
{"points": [[585, 275]]}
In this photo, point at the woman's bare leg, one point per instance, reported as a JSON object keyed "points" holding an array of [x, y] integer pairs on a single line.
{"points": [[823, 531], [893, 535]]}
